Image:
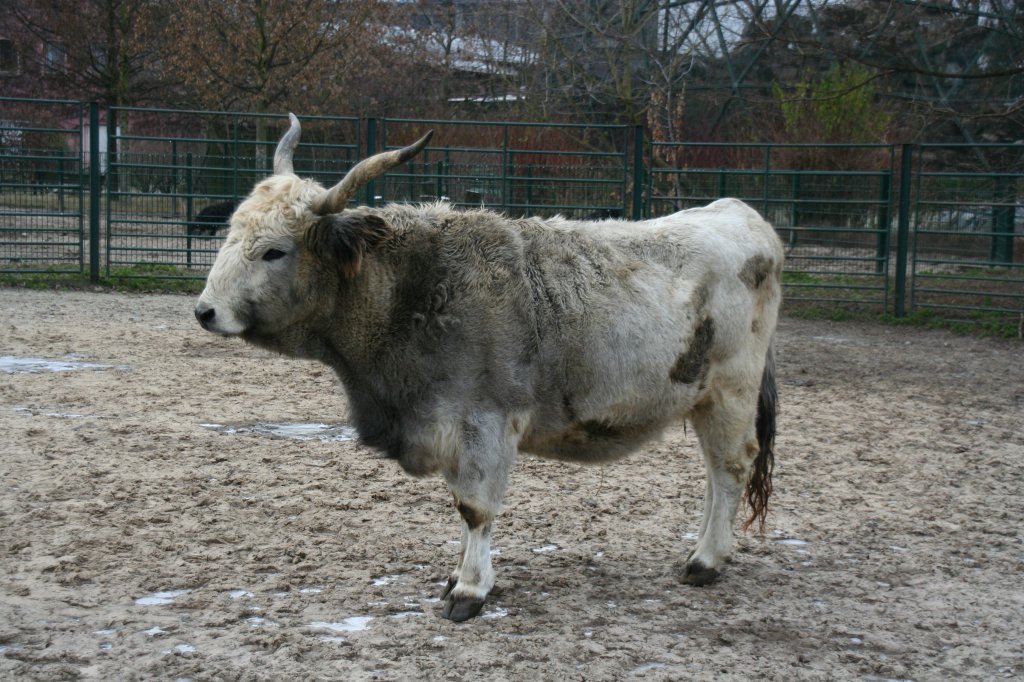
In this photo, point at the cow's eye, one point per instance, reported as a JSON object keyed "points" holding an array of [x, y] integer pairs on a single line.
{"points": [[273, 254]]}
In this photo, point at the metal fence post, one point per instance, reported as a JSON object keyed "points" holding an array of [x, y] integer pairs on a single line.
{"points": [[794, 209], [188, 208], [94, 192], [1003, 209], [882, 249], [638, 172], [903, 230], [505, 193], [766, 180]]}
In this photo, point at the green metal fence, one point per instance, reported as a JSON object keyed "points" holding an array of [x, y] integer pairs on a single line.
{"points": [[929, 229], [42, 159], [517, 168], [968, 242]]}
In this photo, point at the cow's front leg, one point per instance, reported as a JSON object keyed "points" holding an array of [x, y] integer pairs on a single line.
{"points": [[477, 482], [473, 578]]}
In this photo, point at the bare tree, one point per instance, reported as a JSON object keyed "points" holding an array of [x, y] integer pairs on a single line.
{"points": [[98, 50]]}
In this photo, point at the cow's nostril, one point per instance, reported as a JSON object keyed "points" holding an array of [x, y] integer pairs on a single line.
{"points": [[205, 315]]}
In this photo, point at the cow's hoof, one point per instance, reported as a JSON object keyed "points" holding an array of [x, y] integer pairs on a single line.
{"points": [[698, 574], [459, 609], [452, 582]]}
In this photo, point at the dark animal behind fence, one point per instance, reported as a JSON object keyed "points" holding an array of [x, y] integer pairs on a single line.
{"points": [[212, 218]]}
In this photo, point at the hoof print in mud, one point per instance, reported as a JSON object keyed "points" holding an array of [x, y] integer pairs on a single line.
{"points": [[698, 574], [460, 609]]}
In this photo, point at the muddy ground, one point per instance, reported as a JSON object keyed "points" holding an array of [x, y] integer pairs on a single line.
{"points": [[149, 532]]}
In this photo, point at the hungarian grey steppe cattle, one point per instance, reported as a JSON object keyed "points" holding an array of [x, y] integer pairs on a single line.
{"points": [[463, 337]]}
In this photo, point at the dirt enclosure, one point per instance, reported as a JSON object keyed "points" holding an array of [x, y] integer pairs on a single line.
{"points": [[156, 524]]}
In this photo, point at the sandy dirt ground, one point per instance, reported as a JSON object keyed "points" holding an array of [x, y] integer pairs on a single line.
{"points": [[140, 541]]}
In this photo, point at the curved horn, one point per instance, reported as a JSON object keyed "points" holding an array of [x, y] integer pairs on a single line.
{"points": [[286, 147], [335, 198]]}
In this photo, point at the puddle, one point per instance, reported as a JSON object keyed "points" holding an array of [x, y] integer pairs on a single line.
{"points": [[353, 624], [385, 580], [180, 649], [160, 598], [28, 412], [794, 542], [401, 615], [547, 548], [293, 430], [645, 668], [12, 364], [496, 613], [240, 594], [154, 631]]}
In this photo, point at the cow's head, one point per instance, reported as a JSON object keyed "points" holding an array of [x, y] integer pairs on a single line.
{"points": [[289, 241]]}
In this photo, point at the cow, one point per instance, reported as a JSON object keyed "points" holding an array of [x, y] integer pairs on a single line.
{"points": [[464, 337], [212, 218]]}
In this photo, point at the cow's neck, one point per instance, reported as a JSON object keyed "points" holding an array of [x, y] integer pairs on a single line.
{"points": [[350, 330]]}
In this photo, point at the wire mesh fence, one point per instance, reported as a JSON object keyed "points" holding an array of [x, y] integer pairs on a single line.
{"points": [[170, 180], [517, 168], [41, 171], [968, 242]]}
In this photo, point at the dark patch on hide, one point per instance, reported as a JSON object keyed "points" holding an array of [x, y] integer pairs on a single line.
{"points": [[570, 411], [594, 430], [692, 365], [472, 517], [755, 271], [599, 429]]}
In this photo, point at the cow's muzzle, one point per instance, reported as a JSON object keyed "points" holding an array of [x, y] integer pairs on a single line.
{"points": [[206, 315]]}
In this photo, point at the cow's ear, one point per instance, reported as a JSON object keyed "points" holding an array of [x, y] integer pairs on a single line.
{"points": [[342, 239]]}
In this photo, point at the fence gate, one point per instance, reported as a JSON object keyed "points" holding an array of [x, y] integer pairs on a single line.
{"points": [[967, 256], [43, 162]]}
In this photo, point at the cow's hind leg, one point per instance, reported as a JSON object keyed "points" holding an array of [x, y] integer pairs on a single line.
{"points": [[725, 428], [478, 484]]}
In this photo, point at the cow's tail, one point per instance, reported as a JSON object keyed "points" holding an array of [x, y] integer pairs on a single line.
{"points": [[759, 485]]}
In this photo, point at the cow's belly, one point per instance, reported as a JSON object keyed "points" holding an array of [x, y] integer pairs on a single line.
{"points": [[591, 441], [613, 432]]}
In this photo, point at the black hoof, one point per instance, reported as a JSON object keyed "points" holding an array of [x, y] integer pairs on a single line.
{"points": [[458, 609], [698, 574], [452, 582]]}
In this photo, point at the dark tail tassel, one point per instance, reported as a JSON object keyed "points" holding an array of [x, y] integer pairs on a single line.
{"points": [[759, 485]]}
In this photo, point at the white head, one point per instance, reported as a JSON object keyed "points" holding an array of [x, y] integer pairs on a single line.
{"points": [[285, 238]]}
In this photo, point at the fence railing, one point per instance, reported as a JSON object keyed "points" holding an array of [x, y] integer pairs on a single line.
{"points": [[968, 241], [43, 160], [843, 211]]}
